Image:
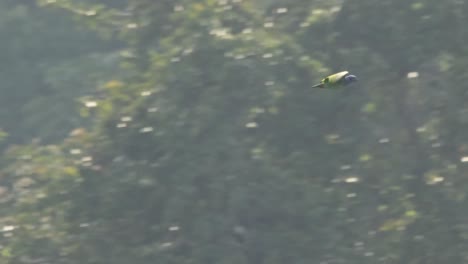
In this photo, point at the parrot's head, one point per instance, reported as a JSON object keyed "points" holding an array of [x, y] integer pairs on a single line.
{"points": [[350, 79]]}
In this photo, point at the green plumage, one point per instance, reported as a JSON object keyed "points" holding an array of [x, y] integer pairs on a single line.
{"points": [[332, 81]]}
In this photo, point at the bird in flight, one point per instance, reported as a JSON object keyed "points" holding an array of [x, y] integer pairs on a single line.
{"points": [[336, 80]]}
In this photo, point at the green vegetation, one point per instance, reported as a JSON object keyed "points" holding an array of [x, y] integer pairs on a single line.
{"points": [[183, 131]]}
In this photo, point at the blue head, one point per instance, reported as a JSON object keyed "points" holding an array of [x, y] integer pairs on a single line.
{"points": [[348, 79]]}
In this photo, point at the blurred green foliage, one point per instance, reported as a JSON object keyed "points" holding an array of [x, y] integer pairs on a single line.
{"points": [[186, 132], [47, 61]]}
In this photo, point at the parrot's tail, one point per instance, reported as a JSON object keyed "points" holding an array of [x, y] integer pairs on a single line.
{"points": [[320, 85]]}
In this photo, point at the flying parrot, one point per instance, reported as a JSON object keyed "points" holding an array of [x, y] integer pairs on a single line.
{"points": [[336, 80]]}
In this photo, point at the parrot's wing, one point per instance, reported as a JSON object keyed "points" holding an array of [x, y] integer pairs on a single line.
{"points": [[331, 80], [334, 78]]}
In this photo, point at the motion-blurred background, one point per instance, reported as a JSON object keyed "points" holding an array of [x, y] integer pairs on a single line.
{"points": [[186, 132]]}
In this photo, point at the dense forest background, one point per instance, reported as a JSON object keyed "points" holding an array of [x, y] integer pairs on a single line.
{"points": [[186, 132]]}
